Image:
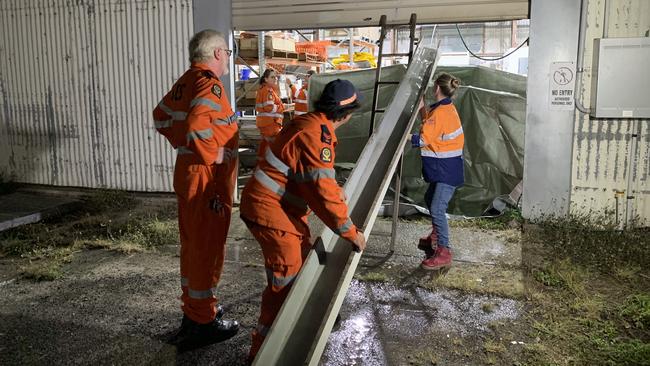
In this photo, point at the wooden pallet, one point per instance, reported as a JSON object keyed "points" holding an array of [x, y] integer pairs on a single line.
{"points": [[309, 57], [252, 53]]}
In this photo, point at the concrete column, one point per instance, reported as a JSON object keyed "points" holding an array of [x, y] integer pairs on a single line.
{"points": [[554, 27], [217, 15]]}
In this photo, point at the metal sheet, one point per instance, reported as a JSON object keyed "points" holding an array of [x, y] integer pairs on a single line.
{"points": [[78, 82], [549, 133], [309, 14], [602, 148], [299, 333]]}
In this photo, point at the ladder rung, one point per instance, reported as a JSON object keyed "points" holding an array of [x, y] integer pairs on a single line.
{"points": [[394, 54], [388, 82], [380, 110]]}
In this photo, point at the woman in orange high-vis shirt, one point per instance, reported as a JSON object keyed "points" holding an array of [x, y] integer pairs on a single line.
{"points": [[269, 108], [441, 142]]}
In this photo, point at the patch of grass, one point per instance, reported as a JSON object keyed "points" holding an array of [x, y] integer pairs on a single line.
{"points": [[511, 219], [372, 277], [636, 310], [627, 273], [492, 346], [591, 303], [424, 358], [110, 200], [48, 270], [487, 307], [593, 241], [480, 279]]}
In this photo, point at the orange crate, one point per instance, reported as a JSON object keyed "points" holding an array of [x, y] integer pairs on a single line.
{"points": [[317, 48]]}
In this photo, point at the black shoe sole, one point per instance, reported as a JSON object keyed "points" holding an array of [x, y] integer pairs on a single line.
{"points": [[197, 341]]}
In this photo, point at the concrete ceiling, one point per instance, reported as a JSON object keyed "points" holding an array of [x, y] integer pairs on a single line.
{"points": [[309, 14]]}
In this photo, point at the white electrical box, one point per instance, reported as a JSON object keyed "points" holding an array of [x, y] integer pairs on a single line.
{"points": [[621, 78]]}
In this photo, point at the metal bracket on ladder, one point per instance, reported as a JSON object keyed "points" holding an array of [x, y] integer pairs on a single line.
{"points": [[375, 99]]}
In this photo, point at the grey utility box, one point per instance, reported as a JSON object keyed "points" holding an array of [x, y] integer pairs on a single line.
{"points": [[621, 78]]}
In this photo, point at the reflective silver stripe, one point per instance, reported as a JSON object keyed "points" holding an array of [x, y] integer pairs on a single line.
{"points": [[345, 227], [303, 101], [163, 124], [206, 102], [269, 139], [313, 175], [275, 108], [298, 113], [175, 115], [262, 330], [443, 154], [296, 94], [182, 150], [200, 134], [225, 121], [201, 294], [261, 105], [278, 281], [184, 281], [264, 114], [274, 187], [452, 135], [277, 163]]}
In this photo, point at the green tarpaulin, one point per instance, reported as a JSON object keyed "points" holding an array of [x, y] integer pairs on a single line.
{"points": [[492, 108]]}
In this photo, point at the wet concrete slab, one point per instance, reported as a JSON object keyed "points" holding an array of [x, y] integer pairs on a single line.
{"points": [[21, 208]]}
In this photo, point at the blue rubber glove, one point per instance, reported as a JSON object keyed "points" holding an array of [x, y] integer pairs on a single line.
{"points": [[415, 140]]}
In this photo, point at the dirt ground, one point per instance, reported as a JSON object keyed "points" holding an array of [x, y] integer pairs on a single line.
{"points": [[101, 286]]}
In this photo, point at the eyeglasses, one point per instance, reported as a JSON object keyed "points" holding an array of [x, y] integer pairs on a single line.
{"points": [[228, 52]]}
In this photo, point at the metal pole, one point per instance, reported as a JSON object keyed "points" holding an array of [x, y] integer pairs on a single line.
{"points": [[631, 172], [382, 36], [260, 52], [351, 46], [398, 170]]}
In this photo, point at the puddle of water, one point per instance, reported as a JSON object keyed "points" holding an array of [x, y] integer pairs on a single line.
{"points": [[376, 314]]}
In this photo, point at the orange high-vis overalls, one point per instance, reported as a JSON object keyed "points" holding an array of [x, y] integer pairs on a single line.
{"points": [[300, 98], [269, 108], [296, 175], [196, 118]]}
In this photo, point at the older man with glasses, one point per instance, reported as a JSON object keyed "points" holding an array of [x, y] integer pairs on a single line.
{"points": [[196, 118]]}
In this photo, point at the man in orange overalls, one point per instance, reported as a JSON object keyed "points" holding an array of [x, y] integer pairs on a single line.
{"points": [[297, 174], [197, 120]]}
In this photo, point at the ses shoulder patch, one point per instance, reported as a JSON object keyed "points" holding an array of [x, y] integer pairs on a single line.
{"points": [[216, 90], [326, 154]]}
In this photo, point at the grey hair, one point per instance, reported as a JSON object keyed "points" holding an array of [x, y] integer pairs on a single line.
{"points": [[203, 44]]}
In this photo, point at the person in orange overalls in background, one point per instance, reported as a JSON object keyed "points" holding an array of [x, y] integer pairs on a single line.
{"points": [[196, 118], [301, 96], [441, 142], [296, 175], [269, 108]]}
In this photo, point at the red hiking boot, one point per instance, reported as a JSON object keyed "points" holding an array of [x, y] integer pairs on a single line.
{"points": [[441, 259]]}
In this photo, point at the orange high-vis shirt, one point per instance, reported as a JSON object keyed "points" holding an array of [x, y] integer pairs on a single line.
{"points": [[269, 108], [296, 175], [195, 116], [301, 99]]}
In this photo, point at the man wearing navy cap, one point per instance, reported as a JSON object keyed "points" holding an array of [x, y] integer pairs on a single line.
{"points": [[296, 175]]}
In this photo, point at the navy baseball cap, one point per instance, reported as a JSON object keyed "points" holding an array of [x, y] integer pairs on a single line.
{"points": [[339, 93]]}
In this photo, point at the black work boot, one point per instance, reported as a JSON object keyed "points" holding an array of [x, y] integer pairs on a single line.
{"points": [[192, 335]]}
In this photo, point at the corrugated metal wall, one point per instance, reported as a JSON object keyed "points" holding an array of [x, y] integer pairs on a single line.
{"points": [[78, 82], [602, 147]]}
